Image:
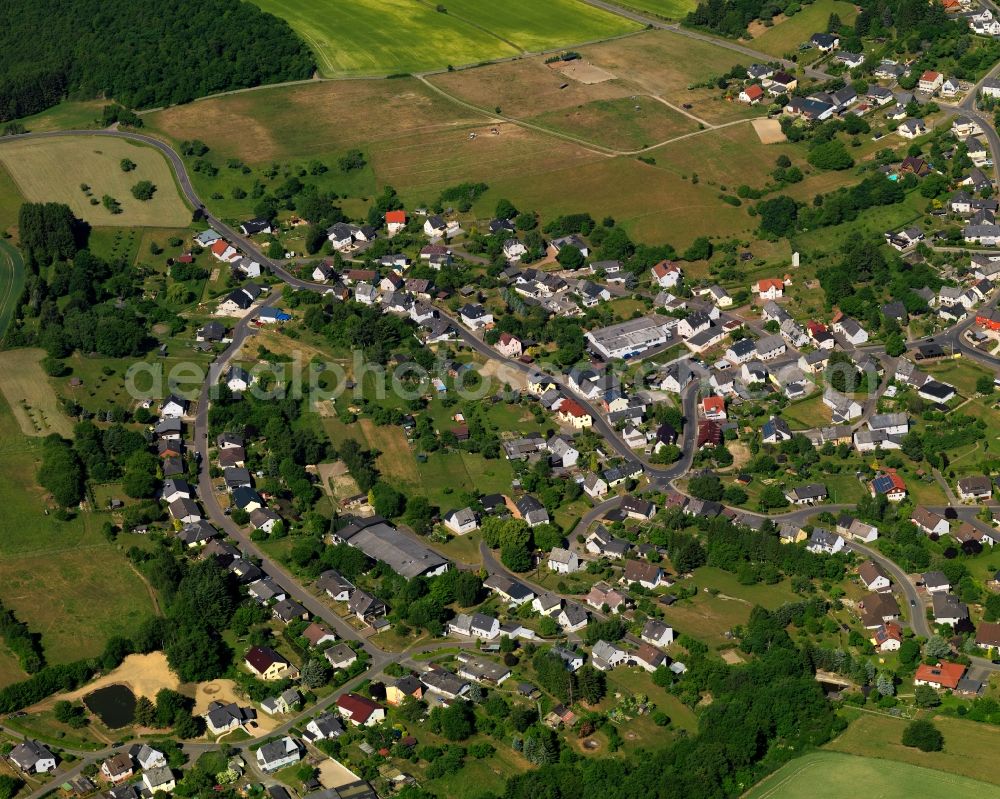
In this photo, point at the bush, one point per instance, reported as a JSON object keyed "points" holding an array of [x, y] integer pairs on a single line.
{"points": [[923, 735]]}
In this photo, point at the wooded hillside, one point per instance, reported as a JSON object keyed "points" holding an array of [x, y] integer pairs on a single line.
{"points": [[144, 55]]}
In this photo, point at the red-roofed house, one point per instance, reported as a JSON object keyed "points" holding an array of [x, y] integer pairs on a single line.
{"points": [[666, 274], [752, 94], [930, 81], [713, 408], [224, 251], [770, 288], [943, 675], [888, 637], [360, 710], [509, 346], [395, 221], [709, 433], [990, 319], [889, 484], [815, 328], [572, 413]]}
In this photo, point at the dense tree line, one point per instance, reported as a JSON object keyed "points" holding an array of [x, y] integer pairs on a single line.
{"points": [[762, 714], [142, 54], [26, 645], [753, 555], [49, 232]]}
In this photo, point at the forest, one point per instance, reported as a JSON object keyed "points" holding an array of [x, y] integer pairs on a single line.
{"points": [[148, 54]]}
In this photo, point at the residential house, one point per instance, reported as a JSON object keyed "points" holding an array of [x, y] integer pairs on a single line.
{"points": [[888, 638], [808, 494], [324, 727], [563, 561], [406, 686], [275, 755], [340, 656], [977, 487], [941, 676], [874, 577], [824, 542], [647, 574], [360, 710], [265, 663], [159, 780], [461, 521], [657, 633], [605, 656], [888, 484], [929, 522]]}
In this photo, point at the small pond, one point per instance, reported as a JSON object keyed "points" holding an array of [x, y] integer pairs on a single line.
{"points": [[114, 705]]}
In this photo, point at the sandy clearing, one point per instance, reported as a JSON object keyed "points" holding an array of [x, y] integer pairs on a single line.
{"points": [[333, 774], [505, 374], [143, 674], [336, 481], [768, 131], [586, 73]]}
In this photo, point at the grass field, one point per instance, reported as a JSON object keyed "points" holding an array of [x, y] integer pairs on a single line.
{"points": [[62, 578], [829, 775], [671, 9], [969, 747], [28, 393], [11, 283], [10, 201], [365, 37], [787, 35], [53, 170], [622, 124]]}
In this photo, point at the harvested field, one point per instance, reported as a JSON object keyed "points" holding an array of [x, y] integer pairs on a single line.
{"points": [[528, 86], [396, 459], [768, 131], [32, 400], [294, 122], [52, 170], [667, 64], [628, 123]]}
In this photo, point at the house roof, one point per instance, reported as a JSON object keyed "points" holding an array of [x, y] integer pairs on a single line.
{"points": [[641, 571], [395, 217], [261, 658], [946, 675], [358, 707]]}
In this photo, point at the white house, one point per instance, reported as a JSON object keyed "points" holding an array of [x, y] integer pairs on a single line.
{"points": [[461, 521], [563, 561], [278, 754]]}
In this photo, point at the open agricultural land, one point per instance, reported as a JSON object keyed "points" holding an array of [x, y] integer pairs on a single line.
{"points": [[366, 37], [828, 775], [785, 36], [418, 139], [57, 170], [671, 9], [63, 578], [968, 752]]}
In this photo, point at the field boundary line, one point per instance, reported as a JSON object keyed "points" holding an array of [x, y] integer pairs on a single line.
{"points": [[13, 285]]}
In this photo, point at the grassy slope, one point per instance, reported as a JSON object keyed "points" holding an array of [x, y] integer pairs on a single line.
{"points": [[828, 775], [53, 170], [787, 35], [969, 748], [671, 9], [11, 283], [62, 578]]}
